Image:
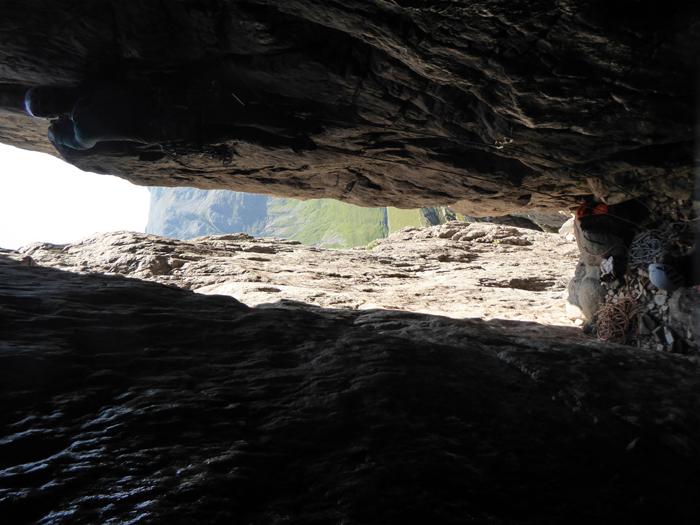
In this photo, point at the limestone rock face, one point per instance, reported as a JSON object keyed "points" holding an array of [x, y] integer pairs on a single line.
{"points": [[490, 106], [458, 269], [127, 400]]}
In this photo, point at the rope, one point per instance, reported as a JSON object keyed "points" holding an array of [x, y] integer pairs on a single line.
{"points": [[618, 322], [647, 246]]}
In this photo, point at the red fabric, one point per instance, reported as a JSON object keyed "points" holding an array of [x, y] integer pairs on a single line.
{"points": [[591, 208]]}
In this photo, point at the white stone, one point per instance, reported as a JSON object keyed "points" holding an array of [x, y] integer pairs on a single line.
{"points": [[660, 299], [668, 335]]}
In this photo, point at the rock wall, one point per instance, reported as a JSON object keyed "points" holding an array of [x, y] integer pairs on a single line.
{"points": [[124, 400], [491, 106]]}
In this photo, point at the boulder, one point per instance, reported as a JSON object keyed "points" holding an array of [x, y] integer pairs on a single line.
{"points": [[591, 293]]}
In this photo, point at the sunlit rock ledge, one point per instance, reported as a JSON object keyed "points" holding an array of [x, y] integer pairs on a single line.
{"points": [[458, 269]]}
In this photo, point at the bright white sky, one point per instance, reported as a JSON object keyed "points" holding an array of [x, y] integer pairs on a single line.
{"points": [[44, 199]]}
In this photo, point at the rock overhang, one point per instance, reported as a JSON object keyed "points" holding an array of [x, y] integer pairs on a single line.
{"points": [[489, 106]]}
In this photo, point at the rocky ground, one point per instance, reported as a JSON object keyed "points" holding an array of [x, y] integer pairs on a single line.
{"points": [[460, 270], [127, 401], [660, 320], [625, 306]]}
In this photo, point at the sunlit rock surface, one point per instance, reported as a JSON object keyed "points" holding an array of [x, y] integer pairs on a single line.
{"points": [[457, 269], [490, 106], [125, 400]]}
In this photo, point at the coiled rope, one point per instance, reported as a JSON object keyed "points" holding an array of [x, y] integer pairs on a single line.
{"points": [[647, 247], [619, 322]]}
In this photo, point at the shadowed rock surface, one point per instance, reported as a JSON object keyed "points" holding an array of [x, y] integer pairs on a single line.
{"points": [[125, 400], [415, 98]]}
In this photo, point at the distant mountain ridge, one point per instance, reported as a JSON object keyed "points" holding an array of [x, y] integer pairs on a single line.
{"points": [[185, 213]]}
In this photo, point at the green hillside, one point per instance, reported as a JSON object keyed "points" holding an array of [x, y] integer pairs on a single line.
{"points": [[421, 218], [184, 213], [325, 222]]}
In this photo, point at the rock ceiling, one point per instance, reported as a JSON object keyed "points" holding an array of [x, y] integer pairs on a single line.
{"points": [[491, 106]]}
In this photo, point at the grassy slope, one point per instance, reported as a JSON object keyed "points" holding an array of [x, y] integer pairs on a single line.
{"points": [[401, 218], [324, 222], [184, 213], [420, 218]]}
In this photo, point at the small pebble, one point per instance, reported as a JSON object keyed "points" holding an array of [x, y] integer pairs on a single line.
{"points": [[668, 335], [660, 299], [648, 323]]}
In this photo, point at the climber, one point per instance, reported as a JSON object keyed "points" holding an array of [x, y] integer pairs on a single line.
{"points": [[81, 119]]}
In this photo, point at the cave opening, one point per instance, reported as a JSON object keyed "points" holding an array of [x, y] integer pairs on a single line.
{"points": [[434, 370]]}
